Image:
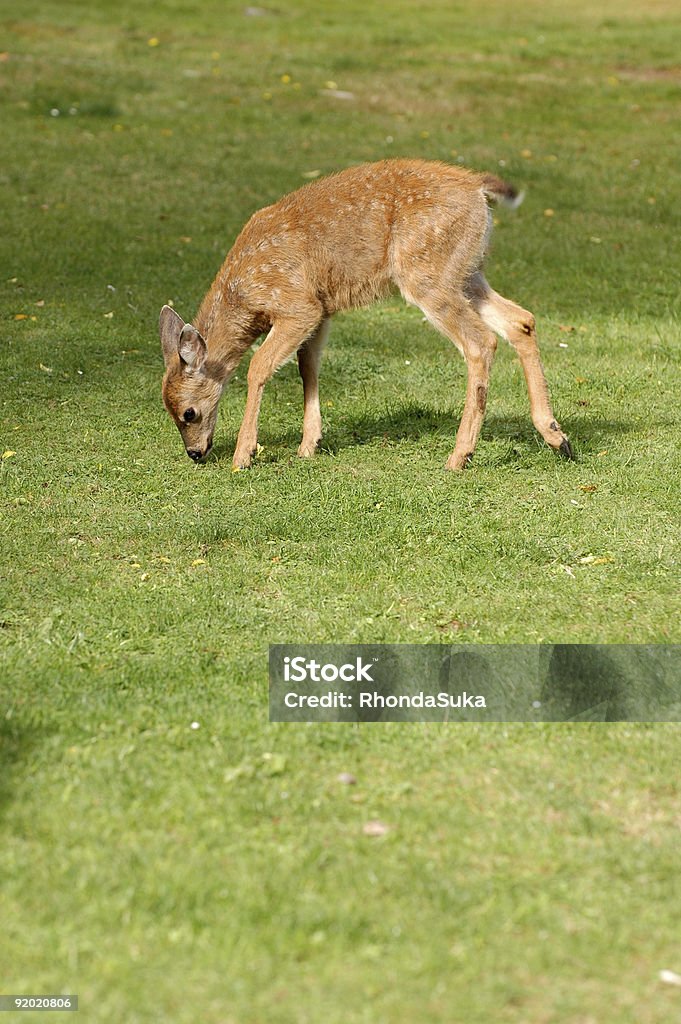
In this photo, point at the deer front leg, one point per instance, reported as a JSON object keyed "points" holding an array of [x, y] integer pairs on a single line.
{"points": [[309, 356], [285, 337]]}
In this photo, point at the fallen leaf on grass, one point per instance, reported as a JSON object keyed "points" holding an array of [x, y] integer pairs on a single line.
{"points": [[245, 770], [566, 328], [453, 625], [21, 316], [375, 829], [8, 454], [588, 488], [337, 94], [274, 764], [45, 369], [199, 561], [594, 560]]}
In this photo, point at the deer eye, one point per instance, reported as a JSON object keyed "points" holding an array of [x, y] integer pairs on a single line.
{"points": [[189, 415]]}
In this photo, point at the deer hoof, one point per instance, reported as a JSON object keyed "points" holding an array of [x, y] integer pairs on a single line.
{"points": [[457, 462], [307, 450], [566, 449]]}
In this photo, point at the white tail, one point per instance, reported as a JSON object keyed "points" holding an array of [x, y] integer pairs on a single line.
{"points": [[500, 191]]}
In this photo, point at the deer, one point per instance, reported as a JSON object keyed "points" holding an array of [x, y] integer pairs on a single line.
{"points": [[342, 242]]}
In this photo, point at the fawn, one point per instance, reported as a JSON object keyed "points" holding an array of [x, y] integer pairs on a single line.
{"points": [[338, 243]]}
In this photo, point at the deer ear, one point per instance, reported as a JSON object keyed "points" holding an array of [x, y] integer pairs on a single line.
{"points": [[170, 326], [192, 348]]}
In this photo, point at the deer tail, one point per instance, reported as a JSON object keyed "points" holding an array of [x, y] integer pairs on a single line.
{"points": [[499, 191]]}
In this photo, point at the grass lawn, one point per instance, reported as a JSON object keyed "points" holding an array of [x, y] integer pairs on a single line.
{"points": [[221, 874]]}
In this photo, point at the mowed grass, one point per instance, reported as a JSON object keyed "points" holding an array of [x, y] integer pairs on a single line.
{"points": [[221, 873]]}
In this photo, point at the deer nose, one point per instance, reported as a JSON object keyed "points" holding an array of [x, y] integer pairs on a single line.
{"points": [[194, 454]]}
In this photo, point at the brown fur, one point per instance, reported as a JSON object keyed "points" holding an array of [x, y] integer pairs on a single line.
{"points": [[343, 242]]}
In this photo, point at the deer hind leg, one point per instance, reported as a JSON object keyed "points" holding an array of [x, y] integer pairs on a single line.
{"points": [[309, 356], [517, 326], [455, 319], [286, 336]]}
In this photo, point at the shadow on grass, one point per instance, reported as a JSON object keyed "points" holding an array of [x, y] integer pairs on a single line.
{"points": [[16, 745], [414, 421]]}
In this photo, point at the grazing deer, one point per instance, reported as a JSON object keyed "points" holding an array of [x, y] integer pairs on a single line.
{"points": [[338, 243]]}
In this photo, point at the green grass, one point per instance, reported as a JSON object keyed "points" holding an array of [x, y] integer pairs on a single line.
{"points": [[164, 873]]}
